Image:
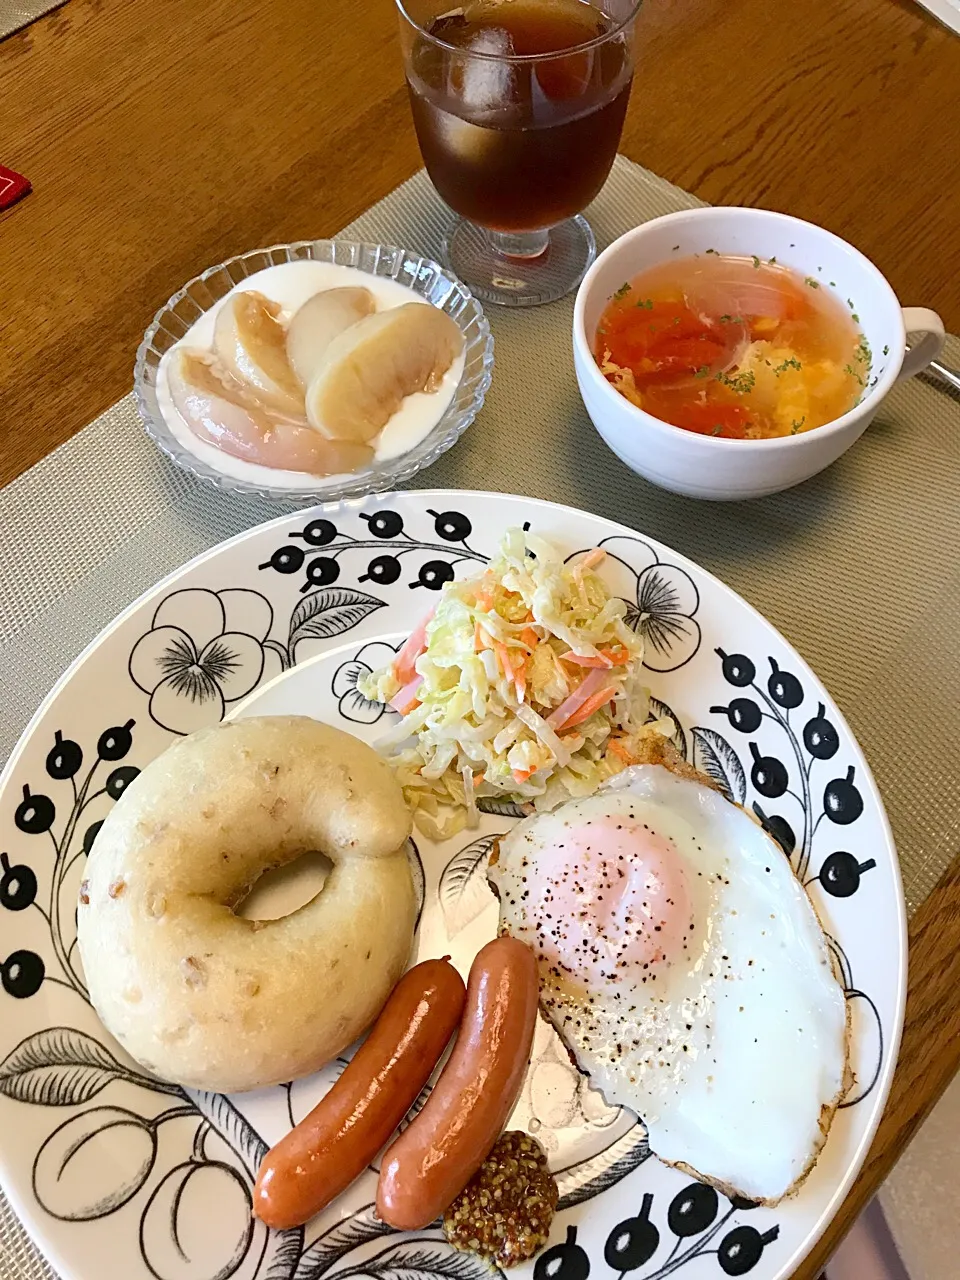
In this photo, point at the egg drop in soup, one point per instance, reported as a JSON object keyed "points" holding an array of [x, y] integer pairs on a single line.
{"points": [[742, 348]]}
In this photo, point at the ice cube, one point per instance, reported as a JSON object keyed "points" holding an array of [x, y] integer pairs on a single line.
{"points": [[492, 40], [468, 142], [487, 84]]}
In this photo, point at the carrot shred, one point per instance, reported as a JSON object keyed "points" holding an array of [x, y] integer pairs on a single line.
{"points": [[521, 775], [529, 637], [482, 638], [613, 656], [405, 663], [620, 751], [584, 660], [584, 712], [520, 678]]}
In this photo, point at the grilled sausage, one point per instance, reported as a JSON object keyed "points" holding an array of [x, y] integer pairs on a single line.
{"points": [[434, 1158], [345, 1130]]}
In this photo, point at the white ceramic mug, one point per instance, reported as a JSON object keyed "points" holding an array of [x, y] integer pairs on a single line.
{"points": [[711, 466]]}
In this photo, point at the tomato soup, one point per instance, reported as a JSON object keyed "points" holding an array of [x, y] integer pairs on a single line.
{"points": [[736, 347]]}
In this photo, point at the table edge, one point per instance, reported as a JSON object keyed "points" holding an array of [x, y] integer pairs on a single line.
{"points": [[929, 1054]]}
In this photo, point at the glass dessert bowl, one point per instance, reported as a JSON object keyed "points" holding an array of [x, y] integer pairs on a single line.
{"points": [[424, 427]]}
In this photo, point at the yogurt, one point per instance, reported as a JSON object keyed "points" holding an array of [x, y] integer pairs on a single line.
{"points": [[291, 284]]}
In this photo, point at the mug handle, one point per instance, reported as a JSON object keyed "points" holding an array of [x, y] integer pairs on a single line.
{"points": [[928, 328]]}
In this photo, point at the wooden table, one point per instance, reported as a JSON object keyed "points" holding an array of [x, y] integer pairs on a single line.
{"points": [[163, 137]]}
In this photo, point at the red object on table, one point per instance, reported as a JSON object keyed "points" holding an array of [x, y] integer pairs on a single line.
{"points": [[13, 187]]}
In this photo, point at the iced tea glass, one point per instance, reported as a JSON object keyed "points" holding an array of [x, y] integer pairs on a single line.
{"points": [[518, 107]]}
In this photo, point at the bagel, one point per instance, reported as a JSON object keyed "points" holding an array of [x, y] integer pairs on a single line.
{"points": [[197, 994]]}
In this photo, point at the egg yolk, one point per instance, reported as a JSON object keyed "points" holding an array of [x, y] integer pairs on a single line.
{"points": [[612, 897]]}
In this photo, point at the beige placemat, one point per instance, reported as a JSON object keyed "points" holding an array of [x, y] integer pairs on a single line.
{"points": [[858, 567], [15, 14]]}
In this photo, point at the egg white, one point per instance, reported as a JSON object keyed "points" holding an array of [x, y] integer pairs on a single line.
{"points": [[733, 1053]]}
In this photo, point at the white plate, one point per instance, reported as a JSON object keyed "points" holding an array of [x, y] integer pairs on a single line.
{"points": [[120, 1177], [948, 11]]}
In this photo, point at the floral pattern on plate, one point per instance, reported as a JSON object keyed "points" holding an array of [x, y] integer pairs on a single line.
{"points": [[124, 1176]]}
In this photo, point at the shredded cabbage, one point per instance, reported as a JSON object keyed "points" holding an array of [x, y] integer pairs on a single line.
{"points": [[530, 689]]}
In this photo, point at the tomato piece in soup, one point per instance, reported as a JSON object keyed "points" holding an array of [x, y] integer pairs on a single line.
{"points": [[709, 418], [660, 340], [733, 346]]}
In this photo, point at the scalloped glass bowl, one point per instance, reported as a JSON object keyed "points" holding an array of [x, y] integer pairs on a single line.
{"points": [[426, 278]]}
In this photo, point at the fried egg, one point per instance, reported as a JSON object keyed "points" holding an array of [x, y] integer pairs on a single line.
{"points": [[684, 967]]}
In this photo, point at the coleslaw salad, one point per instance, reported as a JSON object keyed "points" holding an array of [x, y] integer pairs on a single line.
{"points": [[524, 684]]}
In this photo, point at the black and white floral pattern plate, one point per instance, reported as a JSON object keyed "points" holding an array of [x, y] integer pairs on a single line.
{"points": [[122, 1177]]}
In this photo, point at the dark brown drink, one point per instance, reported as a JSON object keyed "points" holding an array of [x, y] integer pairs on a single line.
{"points": [[515, 142]]}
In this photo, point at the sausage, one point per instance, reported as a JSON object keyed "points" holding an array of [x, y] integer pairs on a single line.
{"points": [[437, 1155], [345, 1130]]}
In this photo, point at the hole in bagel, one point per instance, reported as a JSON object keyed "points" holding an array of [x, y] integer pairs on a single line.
{"points": [[283, 890]]}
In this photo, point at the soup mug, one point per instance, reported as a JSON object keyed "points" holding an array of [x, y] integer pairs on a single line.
{"points": [[711, 466]]}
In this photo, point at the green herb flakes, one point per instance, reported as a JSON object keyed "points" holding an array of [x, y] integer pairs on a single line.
{"points": [[622, 291], [862, 353], [791, 363], [740, 383], [756, 260], [795, 426], [814, 284]]}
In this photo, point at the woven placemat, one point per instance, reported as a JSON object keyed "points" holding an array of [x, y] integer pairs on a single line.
{"points": [[15, 14], [857, 567]]}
